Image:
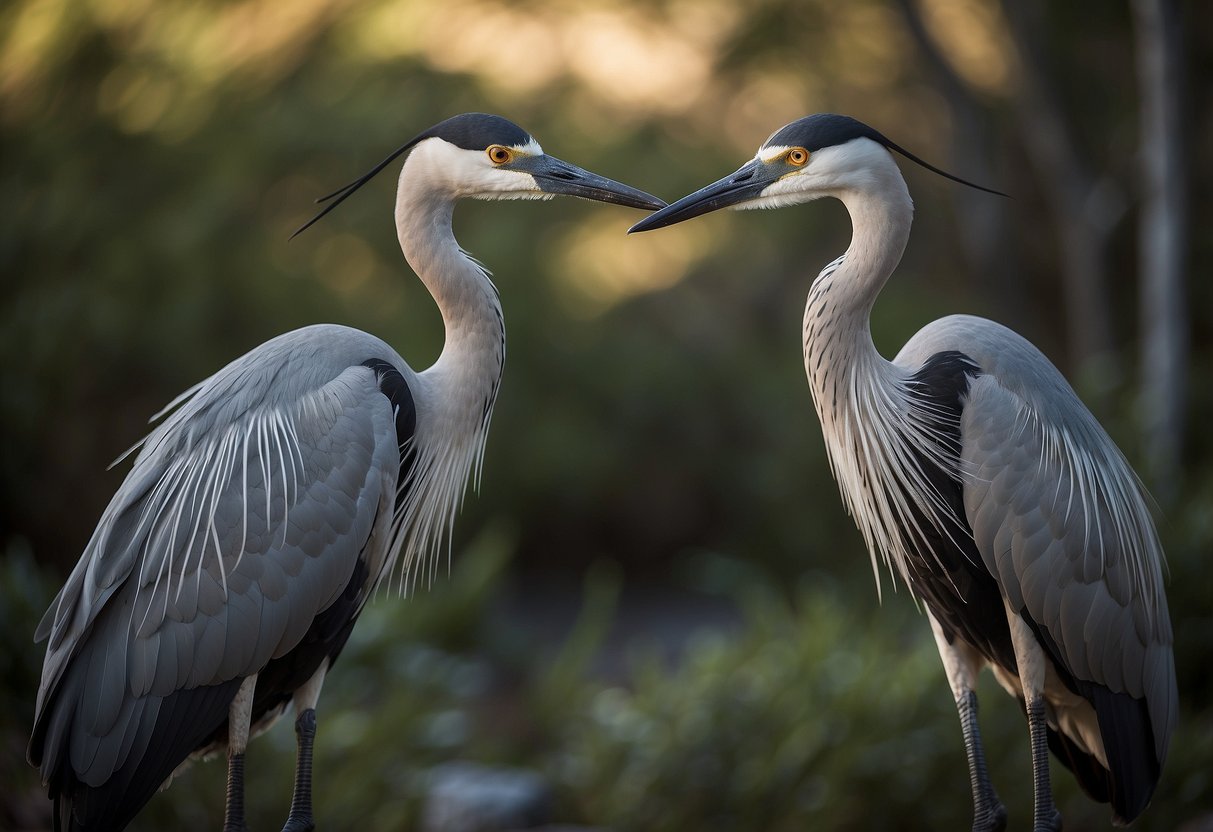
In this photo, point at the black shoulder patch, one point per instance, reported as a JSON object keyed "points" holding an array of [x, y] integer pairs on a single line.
{"points": [[393, 385], [943, 379], [476, 131], [946, 570], [823, 130]]}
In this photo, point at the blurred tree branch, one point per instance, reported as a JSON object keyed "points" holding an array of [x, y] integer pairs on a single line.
{"points": [[1163, 241], [983, 220]]}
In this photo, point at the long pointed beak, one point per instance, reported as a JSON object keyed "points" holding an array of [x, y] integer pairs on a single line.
{"points": [[743, 184], [555, 176]]}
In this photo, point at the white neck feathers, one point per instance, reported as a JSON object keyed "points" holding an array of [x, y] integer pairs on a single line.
{"points": [[455, 396], [875, 430]]}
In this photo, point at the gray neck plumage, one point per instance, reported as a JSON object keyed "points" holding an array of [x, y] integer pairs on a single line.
{"points": [[473, 353], [837, 332]]}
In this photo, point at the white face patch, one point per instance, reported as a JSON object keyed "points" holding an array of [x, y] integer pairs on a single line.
{"points": [[531, 148], [772, 152], [786, 190], [501, 182]]}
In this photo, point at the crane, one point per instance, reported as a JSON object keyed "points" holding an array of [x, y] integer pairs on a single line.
{"points": [[979, 478], [230, 567]]}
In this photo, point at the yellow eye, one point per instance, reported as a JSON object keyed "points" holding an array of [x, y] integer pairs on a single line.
{"points": [[798, 156], [500, 155]]}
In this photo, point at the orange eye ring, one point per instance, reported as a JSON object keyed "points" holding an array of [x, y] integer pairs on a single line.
{"points": [[798, 156], [499, 155]]}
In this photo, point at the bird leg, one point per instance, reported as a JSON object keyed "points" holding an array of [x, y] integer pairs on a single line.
{"points": [[301, 818], [989, 815], [1031, 661], [239, 714], [1046, 818], [962, 663], [233, 812]]}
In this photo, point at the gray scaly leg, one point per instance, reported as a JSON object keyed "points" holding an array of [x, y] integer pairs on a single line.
{"points": [[989, 815], [962, 662], [301, 818], [1046, 818], [233, 812], [237, 740]]}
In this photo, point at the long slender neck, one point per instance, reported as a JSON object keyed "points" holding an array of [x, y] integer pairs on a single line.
{"points": [[837, 334], [474, 350]]}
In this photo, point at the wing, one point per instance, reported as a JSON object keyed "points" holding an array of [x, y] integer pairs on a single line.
{"points": [[244, 518], [1063, 525]]}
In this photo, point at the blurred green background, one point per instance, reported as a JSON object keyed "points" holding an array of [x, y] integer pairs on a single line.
{"points": [[657, 600]]}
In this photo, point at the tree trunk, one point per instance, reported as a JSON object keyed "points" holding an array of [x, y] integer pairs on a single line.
{"points": [[1163, 239]]}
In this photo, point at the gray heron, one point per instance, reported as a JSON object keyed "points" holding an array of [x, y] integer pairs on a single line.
{"points": [[228, 570], [980, 479]]}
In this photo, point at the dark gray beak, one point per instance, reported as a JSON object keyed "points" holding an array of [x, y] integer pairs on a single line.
{"points": [[557, 177], [747, 182]]}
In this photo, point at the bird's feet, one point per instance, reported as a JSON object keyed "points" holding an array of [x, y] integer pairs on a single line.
{"points": [[991, 818], [1050, 822], [299, 823]]}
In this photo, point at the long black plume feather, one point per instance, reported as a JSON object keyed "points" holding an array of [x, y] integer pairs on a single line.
{"points": [[892, 146], [344, 191]]}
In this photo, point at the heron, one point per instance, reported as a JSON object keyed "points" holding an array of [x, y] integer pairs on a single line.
{"points": [[230, 567], [981, 481]]}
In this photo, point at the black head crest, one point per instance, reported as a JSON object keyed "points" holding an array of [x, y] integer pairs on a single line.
{"points": [[477, 131], [468, 131], [823, 130]]}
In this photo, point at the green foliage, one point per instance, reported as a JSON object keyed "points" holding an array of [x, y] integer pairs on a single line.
{"points": [[24, 587], [818, 710]]}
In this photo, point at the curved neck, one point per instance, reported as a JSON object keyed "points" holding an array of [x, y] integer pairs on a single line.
{"points": [[474, 349], [836, 322]]}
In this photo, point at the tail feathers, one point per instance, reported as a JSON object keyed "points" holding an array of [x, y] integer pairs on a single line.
{"points": [[183, 723], [1124, 724]]}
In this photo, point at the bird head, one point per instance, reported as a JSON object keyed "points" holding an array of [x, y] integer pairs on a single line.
{"points": [[481, 156], [816, 156]]}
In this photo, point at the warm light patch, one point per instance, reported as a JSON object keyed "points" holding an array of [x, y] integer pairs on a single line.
{"points": [[345, 262], [599, 267], [972, 35], [868, 45], [35, 34], [642, 60]]}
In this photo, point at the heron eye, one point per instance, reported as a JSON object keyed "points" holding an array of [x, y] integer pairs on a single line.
{"points": [[798, 156], [500, 155]]}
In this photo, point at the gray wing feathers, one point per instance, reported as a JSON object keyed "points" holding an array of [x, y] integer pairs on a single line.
{"points": [[216, 554], [1063, 525]]}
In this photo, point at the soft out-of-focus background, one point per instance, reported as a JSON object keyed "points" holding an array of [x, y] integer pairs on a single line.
{"points": [[656, 603]]}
